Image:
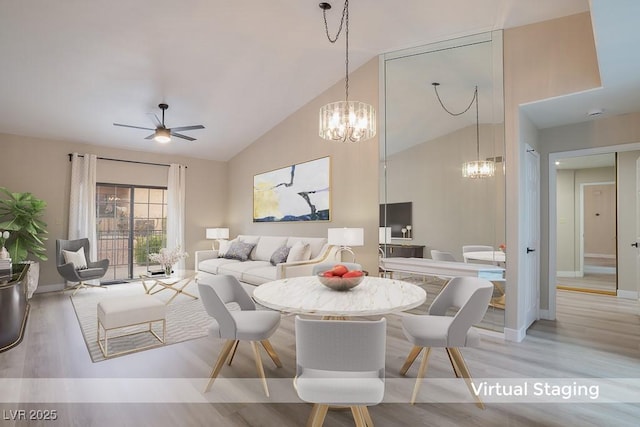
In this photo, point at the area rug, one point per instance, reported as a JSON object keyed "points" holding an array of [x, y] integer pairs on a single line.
{"points": [[186, 319]]}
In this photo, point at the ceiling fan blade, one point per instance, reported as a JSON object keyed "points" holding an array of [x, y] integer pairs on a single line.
{"points": [[134, 127], [154, 118], [177, 135], [181, 128], [151, 136]]}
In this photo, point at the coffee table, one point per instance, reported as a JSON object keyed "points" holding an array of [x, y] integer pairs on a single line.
{"points": [[176, 283]]}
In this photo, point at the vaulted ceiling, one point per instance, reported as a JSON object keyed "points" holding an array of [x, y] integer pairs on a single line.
{"points": [[71, 68]]}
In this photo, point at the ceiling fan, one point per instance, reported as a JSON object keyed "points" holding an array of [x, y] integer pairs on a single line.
{"points": [[162, 133]]}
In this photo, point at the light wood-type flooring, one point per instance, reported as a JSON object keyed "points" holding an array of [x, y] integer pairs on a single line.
{"points": [[595, 336]]}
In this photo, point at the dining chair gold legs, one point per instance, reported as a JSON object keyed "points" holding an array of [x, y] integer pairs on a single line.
{"points": [[219, 363], [258, 360], [415, 351], [458, 364], [229, 350], [360, 414], [317, 415], [367, 417], [421, 373], [271, 352], [464, 372], [233, 352]]}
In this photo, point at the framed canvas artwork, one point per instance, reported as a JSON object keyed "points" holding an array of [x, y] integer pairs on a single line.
{"points": [[299, 192]]}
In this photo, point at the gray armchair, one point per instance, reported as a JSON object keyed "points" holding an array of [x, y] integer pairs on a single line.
{"points": [[69, 272]]}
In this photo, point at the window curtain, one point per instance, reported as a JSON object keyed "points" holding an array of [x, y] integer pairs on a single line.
{"points": [[175, 209], [82, 202]]}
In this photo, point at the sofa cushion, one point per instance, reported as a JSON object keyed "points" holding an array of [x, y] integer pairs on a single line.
{"points": [[239, 250], [299, 252], [238, 269], [213, 264], [259, 275], [266, 246], [223, 247], [316, 244], [279, 255]]}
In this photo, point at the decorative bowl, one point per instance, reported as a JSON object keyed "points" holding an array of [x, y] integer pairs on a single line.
{"points": [[338, 283]]}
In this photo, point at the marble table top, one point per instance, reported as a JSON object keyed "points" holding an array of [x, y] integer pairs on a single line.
{"points": [[306, 295]]}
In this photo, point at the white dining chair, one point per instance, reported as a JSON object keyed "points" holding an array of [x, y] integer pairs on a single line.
{"points": [[341, 363], [245, 324], [437, 255], [470, 296]]}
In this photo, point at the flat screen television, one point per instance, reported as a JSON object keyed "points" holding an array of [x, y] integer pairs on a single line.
{"points": [[397, 216]]}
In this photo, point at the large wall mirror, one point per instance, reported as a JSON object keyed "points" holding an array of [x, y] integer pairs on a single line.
{"points": [[423, 149]]}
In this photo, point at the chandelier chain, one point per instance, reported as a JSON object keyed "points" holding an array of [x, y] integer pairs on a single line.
{"points": [[475, 98], [344, 22]]}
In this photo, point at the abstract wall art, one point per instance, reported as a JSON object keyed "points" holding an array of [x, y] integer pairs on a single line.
{"points": [[298, 192]]}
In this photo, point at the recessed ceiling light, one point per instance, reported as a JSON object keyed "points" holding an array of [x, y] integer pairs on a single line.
{"points": [[557, 163]]}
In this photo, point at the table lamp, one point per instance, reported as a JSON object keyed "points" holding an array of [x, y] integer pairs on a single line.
{"points": [[217, 234], [345, 238]]}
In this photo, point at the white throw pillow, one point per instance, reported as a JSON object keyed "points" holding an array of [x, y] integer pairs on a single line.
{"points": [[299, 252], [76, 258], [223, 247]]}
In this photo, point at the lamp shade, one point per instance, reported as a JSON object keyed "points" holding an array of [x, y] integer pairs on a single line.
{"points": [[217, 233], [346, 236], [384, 235]]}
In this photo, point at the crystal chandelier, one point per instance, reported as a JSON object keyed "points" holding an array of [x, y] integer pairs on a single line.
{"points": [[476, 168], [345, 121]]}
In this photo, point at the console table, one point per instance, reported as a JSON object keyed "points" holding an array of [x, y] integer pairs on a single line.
{"points": [[14, 306], [402, 251]]}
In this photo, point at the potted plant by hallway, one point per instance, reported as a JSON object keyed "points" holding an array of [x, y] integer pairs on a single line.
{"points": [[20, 215]]}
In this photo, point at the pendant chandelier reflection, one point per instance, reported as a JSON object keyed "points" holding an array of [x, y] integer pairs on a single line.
{"points": [[474, 169], [345, 121]]}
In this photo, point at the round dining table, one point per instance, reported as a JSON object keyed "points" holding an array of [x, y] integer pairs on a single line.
{"points": [[306, 295]]}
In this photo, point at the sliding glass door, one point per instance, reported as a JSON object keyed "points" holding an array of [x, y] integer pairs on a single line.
{"points": [[132, 222]]}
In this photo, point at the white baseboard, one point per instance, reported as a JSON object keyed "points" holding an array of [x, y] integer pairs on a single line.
{"points": [[599, 270], [605, 256], [627, 294], [490, 333], [568, 274], [546, 315], [515, 335]]}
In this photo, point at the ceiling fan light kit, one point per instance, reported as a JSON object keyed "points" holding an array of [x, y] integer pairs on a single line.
{"points": [[163, 134], [345, 121]]}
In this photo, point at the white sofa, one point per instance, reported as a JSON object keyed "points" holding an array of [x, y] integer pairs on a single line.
{"points": [[258, 268]]}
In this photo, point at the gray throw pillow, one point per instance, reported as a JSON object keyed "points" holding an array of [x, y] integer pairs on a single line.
{"points": [[239, 250], [280, 255]]}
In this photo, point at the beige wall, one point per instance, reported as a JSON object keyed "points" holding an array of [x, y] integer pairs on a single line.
{"points": [[541, 61], [354, 173], [42, 167]]}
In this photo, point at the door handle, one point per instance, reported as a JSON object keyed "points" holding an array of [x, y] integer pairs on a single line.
{"points": [[634, 244], [530, 250]]}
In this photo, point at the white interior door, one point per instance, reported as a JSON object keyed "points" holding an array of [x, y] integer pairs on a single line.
{"points": [[637, 242], [531, 286]]}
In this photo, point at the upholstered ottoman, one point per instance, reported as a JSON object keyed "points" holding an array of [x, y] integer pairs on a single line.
{"points": [[115, 313]]}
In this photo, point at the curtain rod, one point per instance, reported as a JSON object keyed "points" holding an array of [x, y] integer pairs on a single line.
{"points": [[125, 161]]}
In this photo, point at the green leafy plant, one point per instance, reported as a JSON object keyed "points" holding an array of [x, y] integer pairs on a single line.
{"points": [[145, 245], [20, 214]]}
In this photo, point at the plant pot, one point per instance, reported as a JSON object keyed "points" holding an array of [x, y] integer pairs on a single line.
{"points": [[33, 276]]}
